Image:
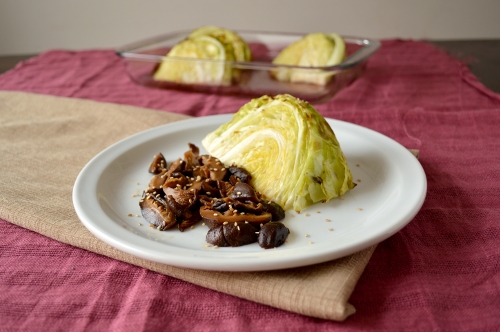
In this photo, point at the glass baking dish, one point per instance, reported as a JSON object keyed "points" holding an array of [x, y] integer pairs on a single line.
{"points": [[255, 77]]}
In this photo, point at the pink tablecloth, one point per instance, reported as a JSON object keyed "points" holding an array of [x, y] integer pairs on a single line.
{"points": [[441, 272]]}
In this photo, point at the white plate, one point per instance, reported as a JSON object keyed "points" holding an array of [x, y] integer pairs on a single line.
{"points": [[391, 189]]}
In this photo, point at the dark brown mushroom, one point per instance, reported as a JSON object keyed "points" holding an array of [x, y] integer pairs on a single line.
{"points": [[274, 209], [156, 213], [158, 164], [210, 188], [216, 237], [244, 192], [272, 235], [240, 173], [248, 207], [177, 166], [239, 233]]}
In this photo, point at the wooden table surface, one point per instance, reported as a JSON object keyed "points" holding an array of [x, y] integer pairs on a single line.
{"points": [[482, 56]]}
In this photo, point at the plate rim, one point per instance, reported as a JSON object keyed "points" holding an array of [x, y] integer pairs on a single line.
{"points": [[237, 261]]}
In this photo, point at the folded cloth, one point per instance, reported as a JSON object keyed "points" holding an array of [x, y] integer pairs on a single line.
{"points": [[49, 139]]}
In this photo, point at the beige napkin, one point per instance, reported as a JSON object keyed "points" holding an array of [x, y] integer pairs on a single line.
{"points": [[45, 142]]}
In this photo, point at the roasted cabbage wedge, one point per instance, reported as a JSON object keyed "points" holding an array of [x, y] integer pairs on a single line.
{"points": [[288, 147], [313, 50], [218, 46]]}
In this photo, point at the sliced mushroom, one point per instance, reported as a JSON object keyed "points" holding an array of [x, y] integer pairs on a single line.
{"points": [[274, 209], [156, 213], [158, 180], [240, 173], [188, 222], [244, 192], [158, 164], [248, 207], [272, 235], [217, 169], [211, 188], [191, 156], [176, 180], [214, 218], [177, 166]]}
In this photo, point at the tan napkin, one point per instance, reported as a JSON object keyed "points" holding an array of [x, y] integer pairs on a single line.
{"points": [[44, 143]]}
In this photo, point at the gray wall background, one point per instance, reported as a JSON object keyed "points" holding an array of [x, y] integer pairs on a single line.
{"points": [[33, 26]]}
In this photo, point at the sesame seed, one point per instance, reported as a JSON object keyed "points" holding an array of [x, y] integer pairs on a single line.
{"points": [[306, 214], [242, 213], [140, 224], [327, 220], [235, 223], [225, 223], [215, 169], [246, 222], [310, 242], [307, 235], [238, 227], [203, 224], [359, 209], [235, 210], [223, 169], [192, 227], [238, 192], [215, 214], [207, 245], [330, 229], [318, 211], [137, 215], [257, 232], [152, 226], [192, 179], [208, 193], [130, 214], [159, 227], [215, 247]]}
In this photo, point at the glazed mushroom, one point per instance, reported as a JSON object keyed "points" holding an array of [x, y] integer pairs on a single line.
{"points": [[214, 218], [158, 164], [202, 188], [156, 212], [272, 235]]}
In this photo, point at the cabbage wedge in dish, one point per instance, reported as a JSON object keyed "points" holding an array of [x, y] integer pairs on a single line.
{"points": [[313, 50], [213, 49], [288, 147]]}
